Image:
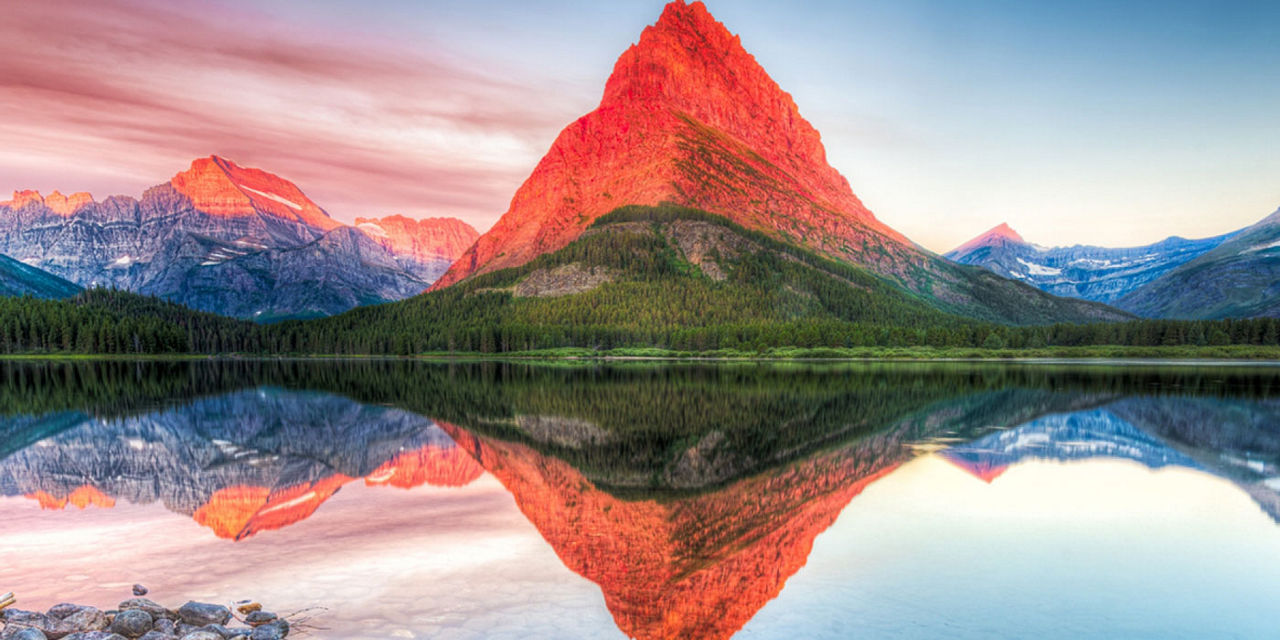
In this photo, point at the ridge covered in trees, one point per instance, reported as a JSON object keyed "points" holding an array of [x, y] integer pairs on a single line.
{"points": [[744, 291]]}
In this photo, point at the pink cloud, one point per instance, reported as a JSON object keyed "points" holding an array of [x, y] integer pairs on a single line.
{"points": [[121, 94]]}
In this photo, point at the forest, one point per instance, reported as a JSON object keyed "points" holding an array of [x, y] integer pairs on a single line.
{"points": [[765, 296]]}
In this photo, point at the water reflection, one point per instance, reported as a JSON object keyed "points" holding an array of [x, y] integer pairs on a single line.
{"points": [[690, 495], [238, 463]]}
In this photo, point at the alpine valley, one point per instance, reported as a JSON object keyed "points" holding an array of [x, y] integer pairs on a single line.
{"points": [[232, 240]]}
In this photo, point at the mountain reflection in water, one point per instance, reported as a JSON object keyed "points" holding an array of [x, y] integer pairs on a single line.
{"points": [[688, 494]]}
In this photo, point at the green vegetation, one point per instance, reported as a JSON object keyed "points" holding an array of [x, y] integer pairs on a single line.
{"points": [[747, 295], [627, 425]]}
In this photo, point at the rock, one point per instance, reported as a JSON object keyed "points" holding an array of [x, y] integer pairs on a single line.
{"points": [[66, 609], [139, 590], [132, 623], [249, 607], [260, 617], [200, 613], [270, 631], [17, 619], [149, 606], [28, 634], [157, 635], [166, 626], [87, 619], [200, 634], [223, 631], [94, 635]]}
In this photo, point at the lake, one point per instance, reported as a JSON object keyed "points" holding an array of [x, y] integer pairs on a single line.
{"points": [[402, 499]]}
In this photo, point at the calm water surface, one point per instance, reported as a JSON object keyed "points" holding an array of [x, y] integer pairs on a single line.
{"points": [[403, 500]]}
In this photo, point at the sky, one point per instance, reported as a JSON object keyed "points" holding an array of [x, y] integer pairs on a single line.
{"points": [[1084, 122]]}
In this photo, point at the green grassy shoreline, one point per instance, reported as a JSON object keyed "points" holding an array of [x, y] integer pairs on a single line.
{"points": [[1235, 353]]}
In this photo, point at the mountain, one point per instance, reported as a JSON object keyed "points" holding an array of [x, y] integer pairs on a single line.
{"points": [[425, 247], [18, 279], [645, 276], [689, 118], [1238, 278], [1100, 274], [216, 237]]}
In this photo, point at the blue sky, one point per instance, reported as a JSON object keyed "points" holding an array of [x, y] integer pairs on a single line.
{"points": [[1113, 123]]}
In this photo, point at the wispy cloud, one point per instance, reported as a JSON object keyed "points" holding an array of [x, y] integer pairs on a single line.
{"points": [[120, 94]]}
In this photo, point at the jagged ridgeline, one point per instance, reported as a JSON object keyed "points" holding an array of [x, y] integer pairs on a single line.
{"points": [[629, 427]]}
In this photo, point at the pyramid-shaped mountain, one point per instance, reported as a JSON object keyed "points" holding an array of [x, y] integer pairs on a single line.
{"points": [[690, 118]]}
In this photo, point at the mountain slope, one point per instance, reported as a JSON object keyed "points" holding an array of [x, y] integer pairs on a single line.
{"points": [[1093, 273], [690, 118], [216, 237], [1238, 278], [18, 279], [654, 276], [424, 247]]}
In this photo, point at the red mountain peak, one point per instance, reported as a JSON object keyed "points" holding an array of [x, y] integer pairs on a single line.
{"points": [[220, 187], [999, 234], [427, 240], [689, 117], [56, 202]]}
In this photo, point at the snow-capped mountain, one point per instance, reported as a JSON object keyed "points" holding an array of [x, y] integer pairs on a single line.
{"points": [[1101, 274], [220, 237]]}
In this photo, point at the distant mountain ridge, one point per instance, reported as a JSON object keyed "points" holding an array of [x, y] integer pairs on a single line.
{"points": [[1238, 278], [1100, 274], [224, 238], [1234, 275], [18, 279]]}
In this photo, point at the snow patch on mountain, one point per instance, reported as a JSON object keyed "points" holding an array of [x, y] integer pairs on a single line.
{"points": [[1039, 269], [273, 197]]}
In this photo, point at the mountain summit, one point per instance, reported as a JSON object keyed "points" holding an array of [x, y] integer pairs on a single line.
{"points": [[220, 187], [1001, 234], [688, 117]]}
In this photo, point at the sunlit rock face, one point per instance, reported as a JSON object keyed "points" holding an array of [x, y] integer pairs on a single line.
{"points": [[222, 188], [241, 463], [692, 567], [229, 239], [689, 117], [426, 247]]}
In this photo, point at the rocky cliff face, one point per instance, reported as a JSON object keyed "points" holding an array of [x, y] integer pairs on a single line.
{"points": [[425, 247], [689, 117], [1100, 274], [217, 237], [240, 463], [1238, 278]]}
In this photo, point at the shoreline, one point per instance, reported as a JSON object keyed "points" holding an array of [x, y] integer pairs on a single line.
{"points": [[1096, 356]]}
